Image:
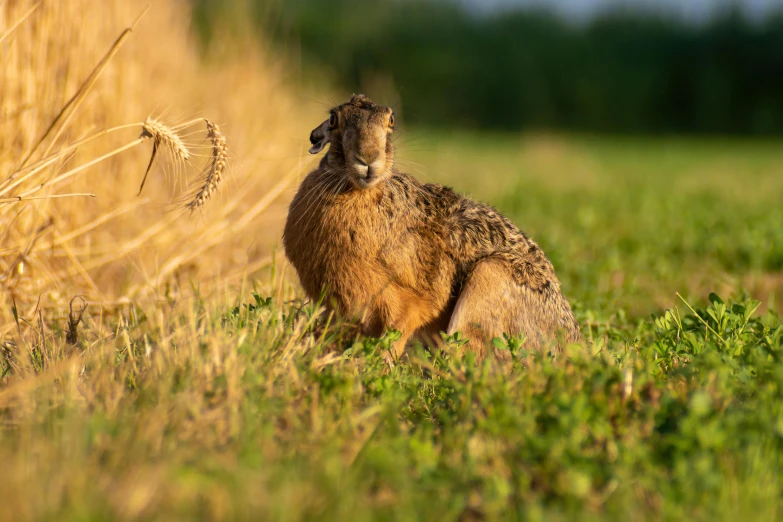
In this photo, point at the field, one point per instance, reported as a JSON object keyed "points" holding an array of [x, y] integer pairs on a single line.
{"points": [[216, 393]]}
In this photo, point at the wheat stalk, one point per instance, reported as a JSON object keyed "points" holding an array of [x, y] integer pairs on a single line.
{"points": [[216, 169]]}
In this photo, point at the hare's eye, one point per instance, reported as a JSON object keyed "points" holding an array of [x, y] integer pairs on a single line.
{"points": [[391, 120], [332, 120]]}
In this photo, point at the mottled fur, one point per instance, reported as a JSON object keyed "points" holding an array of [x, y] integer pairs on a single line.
{"points": [[396, 253]]}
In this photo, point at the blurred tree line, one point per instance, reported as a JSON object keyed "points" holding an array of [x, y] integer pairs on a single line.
{"points": [[621, 72]]}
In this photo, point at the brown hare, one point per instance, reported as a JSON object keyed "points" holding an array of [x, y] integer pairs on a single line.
{"points": [[396, 253]]}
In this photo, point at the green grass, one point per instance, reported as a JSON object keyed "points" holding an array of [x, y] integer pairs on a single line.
{"points": [[251, 406]]}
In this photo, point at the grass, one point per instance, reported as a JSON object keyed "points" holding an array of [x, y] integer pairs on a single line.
{"points": [[256, 412], [192, 382]]}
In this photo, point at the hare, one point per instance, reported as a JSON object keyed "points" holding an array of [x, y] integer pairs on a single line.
{"points": [[396, 253]]}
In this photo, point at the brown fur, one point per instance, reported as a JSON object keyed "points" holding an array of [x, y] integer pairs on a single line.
{"points": [[419, 258]]}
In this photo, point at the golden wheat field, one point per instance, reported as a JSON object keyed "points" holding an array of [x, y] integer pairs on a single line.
{"points": [[72, 222]]}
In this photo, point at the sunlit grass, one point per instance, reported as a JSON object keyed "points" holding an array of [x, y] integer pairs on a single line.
{"points": [[257, 411]]}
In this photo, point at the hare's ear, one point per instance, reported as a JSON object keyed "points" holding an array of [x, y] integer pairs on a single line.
{"points": [[319, 137]]}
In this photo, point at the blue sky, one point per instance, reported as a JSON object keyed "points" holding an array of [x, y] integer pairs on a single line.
{"points": [[695, 10]]}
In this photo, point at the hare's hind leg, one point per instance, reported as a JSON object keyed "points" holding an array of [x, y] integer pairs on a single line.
{"points": [[490, 304]]}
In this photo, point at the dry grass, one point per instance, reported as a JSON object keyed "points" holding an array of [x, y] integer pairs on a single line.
{"points": [[65, 100]]}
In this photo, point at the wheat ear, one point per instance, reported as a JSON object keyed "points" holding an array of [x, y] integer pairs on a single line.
{"points": [[162, 135], [216, 168]]}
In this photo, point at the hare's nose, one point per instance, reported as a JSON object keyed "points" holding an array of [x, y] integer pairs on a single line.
{"points": [[370, 165], [361, 167], [369, 169], [361, 161]]}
